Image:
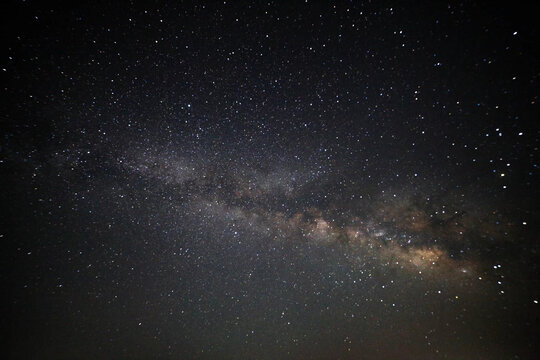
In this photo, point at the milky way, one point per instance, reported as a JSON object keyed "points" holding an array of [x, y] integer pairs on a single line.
{"points": [[270, 181]]}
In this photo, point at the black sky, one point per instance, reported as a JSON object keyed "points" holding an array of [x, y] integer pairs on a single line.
{"points": [[270, 180]]}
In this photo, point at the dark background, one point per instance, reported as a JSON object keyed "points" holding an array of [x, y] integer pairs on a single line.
{"points": [[178, 180]]}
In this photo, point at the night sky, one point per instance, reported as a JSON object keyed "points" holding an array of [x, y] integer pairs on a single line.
{"points": [[270, 180]]}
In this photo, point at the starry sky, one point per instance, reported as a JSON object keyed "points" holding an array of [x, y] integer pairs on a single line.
{"points": [[270, 180]]}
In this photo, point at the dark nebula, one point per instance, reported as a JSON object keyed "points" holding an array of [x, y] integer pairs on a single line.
{"points": [[270, 180]]}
